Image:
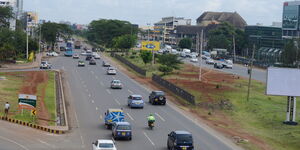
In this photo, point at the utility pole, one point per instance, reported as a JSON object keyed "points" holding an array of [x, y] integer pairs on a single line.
{"points": [[200, 54], [27, 43], [234, 54], [40, 39], [250, 76]]}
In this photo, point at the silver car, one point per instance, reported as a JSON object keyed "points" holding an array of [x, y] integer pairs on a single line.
{"points": [[116, 84], [111, 71]]}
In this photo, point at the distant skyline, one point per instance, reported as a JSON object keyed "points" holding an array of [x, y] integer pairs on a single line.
{"points": [[151, 11]]}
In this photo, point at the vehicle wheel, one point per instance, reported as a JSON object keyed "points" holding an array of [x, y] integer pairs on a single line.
{"points": [[115, 138], [168, 146], [130, 138], [164, 103]]}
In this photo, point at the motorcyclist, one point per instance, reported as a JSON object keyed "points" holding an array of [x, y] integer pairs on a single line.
{"points": [[151, 119]]}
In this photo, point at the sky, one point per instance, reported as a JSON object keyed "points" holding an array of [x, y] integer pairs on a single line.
{"points": [[151, 11]]}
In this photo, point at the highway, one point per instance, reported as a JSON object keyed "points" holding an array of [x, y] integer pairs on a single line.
{"points": [[257, 74], [91, 94]]}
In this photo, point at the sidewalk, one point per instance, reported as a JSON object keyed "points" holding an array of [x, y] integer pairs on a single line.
{"points": [[30, 65]]}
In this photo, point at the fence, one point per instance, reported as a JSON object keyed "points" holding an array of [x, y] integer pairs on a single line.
{"points": [[176, 90], [129, 64]]}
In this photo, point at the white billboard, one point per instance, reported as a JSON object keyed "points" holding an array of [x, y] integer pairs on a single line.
{"points": [[283, 82]]}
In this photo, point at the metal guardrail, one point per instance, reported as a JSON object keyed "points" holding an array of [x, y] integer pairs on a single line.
{"points": [[129, 64], [175, 89]]}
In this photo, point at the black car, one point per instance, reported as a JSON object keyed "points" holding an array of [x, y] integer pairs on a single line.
{"points": [[105, 64], [157, 97], [88, 58], [180, 140], [92, 62]]}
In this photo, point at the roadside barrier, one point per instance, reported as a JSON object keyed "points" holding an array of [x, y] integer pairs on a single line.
{"points": [[129, 64], [175, 89], [42, 128]]}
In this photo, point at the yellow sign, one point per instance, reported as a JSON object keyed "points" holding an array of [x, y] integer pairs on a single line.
{"points": [[33, 112], [150, 45]]}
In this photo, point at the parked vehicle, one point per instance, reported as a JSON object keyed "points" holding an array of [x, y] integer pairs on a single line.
{"points": [[111, 71], [218, 65], [104, 145], [180, 140], [135, 101], [77, 45], [45, 65], [210, 61], [52, 54], [157, 97], [112, 116], [182, 54], [121, 130], [81, 63], [194, 60], [116, 84]]}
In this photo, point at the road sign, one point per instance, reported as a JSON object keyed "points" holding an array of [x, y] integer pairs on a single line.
{"points": [[33, 112], [150, 45], [27, 101]]}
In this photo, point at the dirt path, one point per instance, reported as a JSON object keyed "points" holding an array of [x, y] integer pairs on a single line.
{"points": [[34, 79]]}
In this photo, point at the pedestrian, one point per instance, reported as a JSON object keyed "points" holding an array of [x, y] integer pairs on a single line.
{"points": [[7, 105]]}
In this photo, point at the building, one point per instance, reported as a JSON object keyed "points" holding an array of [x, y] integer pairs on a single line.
{"points": [[164, 28], [290, 19], [218, 17], [17, 7], [30, 22], [268, 42]]}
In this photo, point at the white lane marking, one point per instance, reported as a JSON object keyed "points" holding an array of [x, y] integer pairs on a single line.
{"points": [[101, 117], [43, 142], [82, 142], [160, 117], [97, 108], [148, 138], [108, 91], [93, 101], [130, 116], [102, 83], [12, 141], [130, 91], [92, 72], [117, 102]]}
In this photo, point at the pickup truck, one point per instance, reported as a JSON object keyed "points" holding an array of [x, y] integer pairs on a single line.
{"points": [[112, 116]]}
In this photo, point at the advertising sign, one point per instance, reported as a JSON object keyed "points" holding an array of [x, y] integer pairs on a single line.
{"points": [[290, 17], [283, 82], [150, 45], [27, 101]]}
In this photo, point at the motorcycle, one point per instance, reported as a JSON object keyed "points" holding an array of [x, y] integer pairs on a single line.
{"points": [[151, 124]]}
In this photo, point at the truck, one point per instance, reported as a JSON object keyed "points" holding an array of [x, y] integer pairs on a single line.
{"points": [[77, 45], [112, 116]]}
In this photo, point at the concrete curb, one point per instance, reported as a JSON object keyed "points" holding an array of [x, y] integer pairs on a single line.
{"points": [[38, 127]]}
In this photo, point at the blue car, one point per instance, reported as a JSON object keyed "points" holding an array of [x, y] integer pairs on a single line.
{"points": [[112, 116], [135, 101], [121, 130]]}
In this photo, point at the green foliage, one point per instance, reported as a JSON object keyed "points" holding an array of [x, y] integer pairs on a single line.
{"points": [[7, 51], [185, 43], [124, 42], [289, 54], [146, 56], [170, 60], [104, 31], [5, 14], [165, 69]]}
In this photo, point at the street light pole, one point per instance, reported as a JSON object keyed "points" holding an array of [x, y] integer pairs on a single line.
{"points": [[40, 39], [250, 76], [27, 43]]}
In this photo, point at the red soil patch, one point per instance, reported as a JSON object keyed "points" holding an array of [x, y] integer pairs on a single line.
{"points": [[30, 85]]}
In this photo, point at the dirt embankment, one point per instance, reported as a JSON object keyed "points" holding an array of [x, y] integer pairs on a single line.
{"points": [[35, 83]]}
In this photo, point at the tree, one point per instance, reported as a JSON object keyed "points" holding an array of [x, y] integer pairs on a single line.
{"points": [[124, 42], [7, 51], [146, 56], [104, 31], [289, 55], [169, 60], [5, 14], [185, 43], [165, 69]]}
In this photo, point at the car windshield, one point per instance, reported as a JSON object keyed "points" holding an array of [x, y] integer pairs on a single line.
{"points": [[181, 138], [137, 98], [124, 127], [43, 62], [106, 145], [160, 93], [116, 81]]}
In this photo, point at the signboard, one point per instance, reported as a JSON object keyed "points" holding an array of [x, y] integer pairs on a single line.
{"points": [[33, 112], [27, 101], [290, 17], [150, 45], [283, 82]]}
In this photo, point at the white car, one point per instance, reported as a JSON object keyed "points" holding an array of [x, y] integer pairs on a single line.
{"points": [[104, 145], [194, 59], [210, 61], [111, 71], [227, 65], [51, 54], [45, 65], [96, 56]]}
